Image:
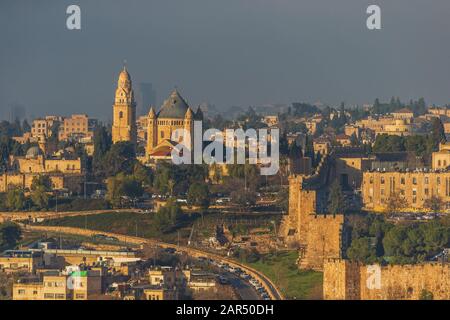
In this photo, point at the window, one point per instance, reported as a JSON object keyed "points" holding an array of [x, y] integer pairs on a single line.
{"points": [[382, 180], [21, 291], [60, 296], [79, 296], [426, 180], [402, 180], [49, 296], [120, 115], [414, 180]]}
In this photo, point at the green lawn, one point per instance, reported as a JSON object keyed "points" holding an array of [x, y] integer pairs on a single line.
{"points": [[281, 268], [128, 223]]}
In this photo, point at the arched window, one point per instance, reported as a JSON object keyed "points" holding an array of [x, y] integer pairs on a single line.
{"points": [[120, 115]]}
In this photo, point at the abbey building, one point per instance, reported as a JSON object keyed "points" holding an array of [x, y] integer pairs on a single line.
{"points": [[175, 113]]}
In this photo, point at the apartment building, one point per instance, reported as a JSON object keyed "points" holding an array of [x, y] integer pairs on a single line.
{"points": [[78, 285], [414, 186]]}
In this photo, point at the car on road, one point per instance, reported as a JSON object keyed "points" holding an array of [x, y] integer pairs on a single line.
{"points": [[265, 297], [244, 276], [231, 269], [223, 280]]}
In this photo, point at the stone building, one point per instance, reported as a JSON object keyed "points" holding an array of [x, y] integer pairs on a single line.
{"points": [[72, 183], [21, 261], [36, 162], [397, 124], [441, 158], [124, 110], [346, 280], [404, 114], [65, 172], [414, 186], [174, 114], [79, 285], [77, 126], [42, 128]]}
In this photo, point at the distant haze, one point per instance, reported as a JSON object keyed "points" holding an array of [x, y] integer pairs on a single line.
{"points": [[233, 52]]}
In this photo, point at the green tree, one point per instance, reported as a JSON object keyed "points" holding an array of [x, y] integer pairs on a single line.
{"points": [[426, 295], [336, 200], [10, 233], [121, 158], [40, 197], [123, 186], [102, 144], [437, 134], [295, 151], [395, 203], [388, 143], [168, 216], [362, 250], [143, 174], [198, 195], [15, 199], [41, 181], [435, 204]]}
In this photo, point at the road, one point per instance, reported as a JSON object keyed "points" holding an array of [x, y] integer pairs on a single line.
{"points": [[272, 290], [245, 290], [49, 215]]}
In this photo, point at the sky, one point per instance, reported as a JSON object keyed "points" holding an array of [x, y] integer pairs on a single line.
{"points": [[228, 53]]}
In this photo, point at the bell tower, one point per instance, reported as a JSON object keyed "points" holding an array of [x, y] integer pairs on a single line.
{"points": [[152, 131], [124, 110]]}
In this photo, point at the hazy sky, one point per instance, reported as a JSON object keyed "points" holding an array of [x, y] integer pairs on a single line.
{"points": [[227, 52]]}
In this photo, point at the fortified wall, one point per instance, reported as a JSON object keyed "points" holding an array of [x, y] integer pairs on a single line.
{"points": [[346, 280], [71, 182], [307, 225]]}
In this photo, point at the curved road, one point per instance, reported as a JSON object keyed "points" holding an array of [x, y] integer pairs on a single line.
{"points": [[270, 287]]}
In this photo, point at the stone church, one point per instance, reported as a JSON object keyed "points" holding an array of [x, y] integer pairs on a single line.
{"points": [[175, 113]]}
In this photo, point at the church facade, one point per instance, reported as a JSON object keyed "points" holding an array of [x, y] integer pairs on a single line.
{"points": [[174, 114]]}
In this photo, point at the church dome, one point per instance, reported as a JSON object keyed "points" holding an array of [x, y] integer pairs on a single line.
{"points": [[33, 152], [174, 107], [124, 75], [124, 79]]}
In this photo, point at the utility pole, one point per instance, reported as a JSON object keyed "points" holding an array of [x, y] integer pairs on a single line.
{"points": [[56, 208]]}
